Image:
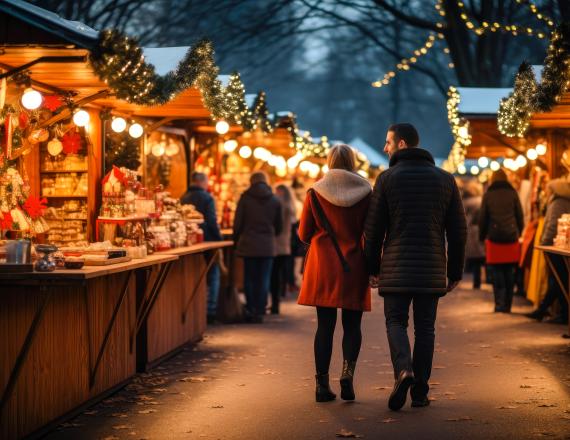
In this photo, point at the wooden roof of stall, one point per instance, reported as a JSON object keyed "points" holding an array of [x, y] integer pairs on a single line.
{"points": [[79, 78]]}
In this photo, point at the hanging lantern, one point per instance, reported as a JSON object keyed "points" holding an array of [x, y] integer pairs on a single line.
{"points": [[136, 130], [54, 147], [118, 125], [222, 127], [31, 99], [81, 118]]}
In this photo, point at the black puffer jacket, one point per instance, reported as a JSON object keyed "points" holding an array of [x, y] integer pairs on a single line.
{"points": [[501, 218], [414, 206], [257, 222]]}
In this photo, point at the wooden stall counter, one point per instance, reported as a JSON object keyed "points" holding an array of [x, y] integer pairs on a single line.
{"points": [[562, 280], [179, 315], [69, 337]]}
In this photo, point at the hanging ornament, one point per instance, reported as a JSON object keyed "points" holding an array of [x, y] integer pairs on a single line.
{"points": [[71, 142], [8, 131], [52, 102], [23, 120], [54, 147]]}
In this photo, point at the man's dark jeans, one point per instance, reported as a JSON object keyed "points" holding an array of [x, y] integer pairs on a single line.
{"points": [[257, 276], [396, 310]]}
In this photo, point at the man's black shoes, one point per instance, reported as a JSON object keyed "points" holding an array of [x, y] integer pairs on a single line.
{"points": [[420, 403], [400, 392]]}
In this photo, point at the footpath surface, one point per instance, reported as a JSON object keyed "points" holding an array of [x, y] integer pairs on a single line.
{"points": [[495, 377]]}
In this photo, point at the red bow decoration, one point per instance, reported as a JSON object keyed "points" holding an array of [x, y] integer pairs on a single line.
{"points": [[52, 102], [35, 207], [71, 142], [5, 220]]}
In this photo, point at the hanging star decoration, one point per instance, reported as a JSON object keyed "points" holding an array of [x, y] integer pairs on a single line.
{"points": [[71, 142]]}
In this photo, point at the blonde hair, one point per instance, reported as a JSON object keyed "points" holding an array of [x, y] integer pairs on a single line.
{"points": [[341, 156]]}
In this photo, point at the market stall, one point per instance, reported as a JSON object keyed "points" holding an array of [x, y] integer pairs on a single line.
{"points": [[77, 109]]}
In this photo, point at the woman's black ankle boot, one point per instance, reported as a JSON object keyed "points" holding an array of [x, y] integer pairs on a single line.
{"points": [[346, 379], [323, 390]]}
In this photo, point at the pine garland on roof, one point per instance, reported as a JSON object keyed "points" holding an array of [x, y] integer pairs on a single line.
{"points": [[528, 97]]}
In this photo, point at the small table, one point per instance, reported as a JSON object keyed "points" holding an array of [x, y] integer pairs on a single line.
{"points": [[564, 284]]}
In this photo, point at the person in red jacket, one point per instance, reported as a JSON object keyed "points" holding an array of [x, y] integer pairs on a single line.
{"points": [[335, 275]]}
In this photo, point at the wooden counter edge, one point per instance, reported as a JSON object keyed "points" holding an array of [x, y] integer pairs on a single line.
{"points": [[197, 248], [89, 272], [554, 250]]}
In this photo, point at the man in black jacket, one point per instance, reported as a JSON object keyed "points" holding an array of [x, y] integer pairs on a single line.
{"points": [[414, 207], [199, 196]]}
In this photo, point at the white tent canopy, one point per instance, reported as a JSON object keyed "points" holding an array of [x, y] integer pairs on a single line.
{"points": [[376, 158]]}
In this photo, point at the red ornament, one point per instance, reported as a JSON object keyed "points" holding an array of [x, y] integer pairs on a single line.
{"points": [[71, 142], [52, 102], [23, 120], [35, 207], [5, 220]]}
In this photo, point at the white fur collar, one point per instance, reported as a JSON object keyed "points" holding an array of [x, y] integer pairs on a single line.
{"points": [[342, 188]]}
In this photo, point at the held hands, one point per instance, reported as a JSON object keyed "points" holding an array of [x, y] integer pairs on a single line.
{"points": [[374, 281], [451, 285]]}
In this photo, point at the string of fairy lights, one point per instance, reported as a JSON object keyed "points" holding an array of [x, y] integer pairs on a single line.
{"points": [[485, 27]]}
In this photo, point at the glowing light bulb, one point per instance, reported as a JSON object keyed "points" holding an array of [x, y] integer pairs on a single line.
{"points": [[81, 118], [474, 170], [483, 162], [495, 165], [136, 130], [118, 125], [461, 169], [230, 145], [531, 154], [31, 99], [520, 161], [540, 149], [245, 152], [158, 150], [222, 127]]}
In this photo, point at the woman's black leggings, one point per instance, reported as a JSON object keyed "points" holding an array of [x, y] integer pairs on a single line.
{"points": [[351, 340]]}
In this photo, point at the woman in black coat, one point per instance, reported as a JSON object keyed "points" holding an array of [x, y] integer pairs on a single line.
{"points": [[500, 225]]}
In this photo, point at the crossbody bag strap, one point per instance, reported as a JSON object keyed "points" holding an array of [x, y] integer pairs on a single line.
{"points": [[325, 221]]}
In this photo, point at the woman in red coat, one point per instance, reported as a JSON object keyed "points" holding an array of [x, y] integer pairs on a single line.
{"points": [[343, 197]]}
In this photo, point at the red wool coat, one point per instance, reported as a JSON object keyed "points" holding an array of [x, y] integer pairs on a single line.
{"points": [[324, 282]]}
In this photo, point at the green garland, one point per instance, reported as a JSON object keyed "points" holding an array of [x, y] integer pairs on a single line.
{"points": [[119, 61], [515, 111], [528, 97]]}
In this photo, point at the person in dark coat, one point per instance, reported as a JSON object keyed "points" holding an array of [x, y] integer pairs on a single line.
{"points": [[258, 220], [501, 223], [198, 195], [558, 204], [415, 206]]}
